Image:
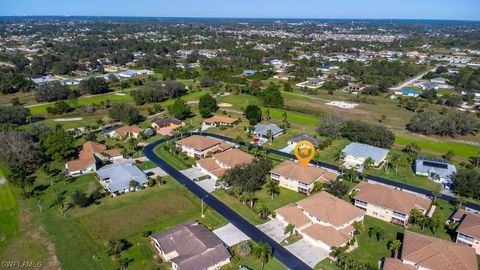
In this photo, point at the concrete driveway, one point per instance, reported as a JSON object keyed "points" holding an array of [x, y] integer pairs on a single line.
{"points": [[287, 149], [308, 253], [193, 173], [230, 234], [274, 228], [155, 172], [207, 184]]}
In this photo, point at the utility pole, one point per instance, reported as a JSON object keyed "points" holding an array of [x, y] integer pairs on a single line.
{"points": [[203, 213]]}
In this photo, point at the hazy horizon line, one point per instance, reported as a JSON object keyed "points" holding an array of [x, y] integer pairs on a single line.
{"points": [[245, 18]]}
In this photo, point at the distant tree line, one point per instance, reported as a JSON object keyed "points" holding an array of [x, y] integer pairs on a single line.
{"points": [[450, 124], [334, 126]]}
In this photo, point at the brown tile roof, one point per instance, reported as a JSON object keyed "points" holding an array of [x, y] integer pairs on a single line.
{"points": [[199, 142], [437, 254], [293, 215], [80, 164], [218, 163], [396, 264], [223, 146], [208, 164], [197, 247], [220, 119], [233, 157], [294, 170], [330, 209], [470, 225], [459, 215], [329, 176], [326, 234], [390, 198], [94, 147], [115, 152], [125, 130]]}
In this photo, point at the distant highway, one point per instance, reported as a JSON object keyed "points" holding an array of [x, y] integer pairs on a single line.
{"points": [[411, 81]]}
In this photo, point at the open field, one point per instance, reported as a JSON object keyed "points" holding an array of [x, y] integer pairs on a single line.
{"points": [[437, 147]]}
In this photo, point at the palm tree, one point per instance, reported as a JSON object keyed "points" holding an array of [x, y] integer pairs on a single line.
{"points": [[284, 115], [244, 248], [252, 198], [133, 184], [270, 135], [263, 212], [394, 246], [289, 229], [272, 188], [263, 251], [368, 163], [267, 114], [39, 204], [394, 162], [415, 215]]}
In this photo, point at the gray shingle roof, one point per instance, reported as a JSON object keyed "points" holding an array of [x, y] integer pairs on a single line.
{"points": [[305, 137], [262, 129], [443, 168], [360, 150], [121, 175]]}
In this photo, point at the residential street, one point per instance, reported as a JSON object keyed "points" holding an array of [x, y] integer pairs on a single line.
{"points": [[279, 252]]}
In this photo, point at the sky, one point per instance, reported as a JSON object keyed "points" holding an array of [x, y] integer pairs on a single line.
{"points": [[349, 9]]}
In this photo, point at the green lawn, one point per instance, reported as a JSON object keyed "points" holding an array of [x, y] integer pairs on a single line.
{"points": [[77, 239], [444, 210], [146, 165], [286, 196], [253, 263], [436, 148], [327, 264], [369, 249], [8, 212], [42, 109], [175, 161]]}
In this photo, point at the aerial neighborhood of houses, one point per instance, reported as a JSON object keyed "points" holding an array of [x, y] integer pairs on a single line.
{"points": [[180, 143]]}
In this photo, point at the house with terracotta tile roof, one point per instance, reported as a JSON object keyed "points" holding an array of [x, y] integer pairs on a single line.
{"points": [[218, 120], [126, 132], [292, 175], [389, 204], [91, 155], [217, 164], [191, 245], [322, 219], [421, 252], [197, 146], [468, 232]]}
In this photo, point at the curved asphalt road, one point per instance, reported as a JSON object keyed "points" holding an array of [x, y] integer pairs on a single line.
{"points": [[283, 255]]}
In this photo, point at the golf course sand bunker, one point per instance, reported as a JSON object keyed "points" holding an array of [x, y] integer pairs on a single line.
{"points": [[120, 94], [225, 105], [343, 105], [68, 119]]}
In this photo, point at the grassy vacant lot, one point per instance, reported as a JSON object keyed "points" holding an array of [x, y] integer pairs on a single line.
{"points": [[436, 147], [88, 100], [286, 196], [76, 240]]}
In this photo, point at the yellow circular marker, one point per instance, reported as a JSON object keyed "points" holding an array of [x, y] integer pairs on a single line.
{"points": [[304, 151]]}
